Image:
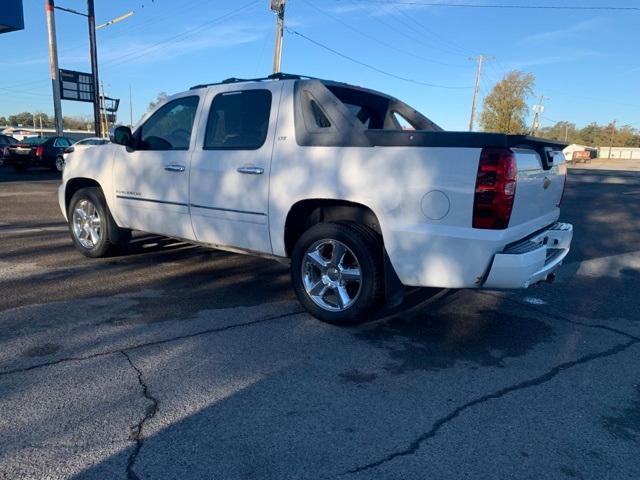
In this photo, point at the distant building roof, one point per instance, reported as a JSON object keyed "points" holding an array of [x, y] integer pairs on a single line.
{"points": [[36, 131]]}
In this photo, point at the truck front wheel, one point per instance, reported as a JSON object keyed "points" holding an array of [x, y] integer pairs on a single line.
{"points": [[337, 272], [93, 230]]}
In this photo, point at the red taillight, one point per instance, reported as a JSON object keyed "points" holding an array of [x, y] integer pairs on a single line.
{"points": [[495, 189], [39, 151]]}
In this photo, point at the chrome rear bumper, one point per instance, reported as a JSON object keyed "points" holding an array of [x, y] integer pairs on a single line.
{"points": [[531, 261]]}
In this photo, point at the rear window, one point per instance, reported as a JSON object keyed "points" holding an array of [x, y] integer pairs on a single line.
{"points": [[380, 112], [7, 140], [35, 140]]}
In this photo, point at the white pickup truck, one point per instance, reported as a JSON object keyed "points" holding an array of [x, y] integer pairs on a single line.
{"points": [[360, 191]]}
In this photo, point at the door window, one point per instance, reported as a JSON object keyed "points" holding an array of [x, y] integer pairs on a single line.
{"points": [[170, 127], [61, 142], [238, 120]]}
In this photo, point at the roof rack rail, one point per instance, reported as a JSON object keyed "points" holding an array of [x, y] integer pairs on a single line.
{"points": [[274, 76]]}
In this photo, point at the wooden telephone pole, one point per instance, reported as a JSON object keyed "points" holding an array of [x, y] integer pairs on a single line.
{"points": [[277, 6], [480, 59]]}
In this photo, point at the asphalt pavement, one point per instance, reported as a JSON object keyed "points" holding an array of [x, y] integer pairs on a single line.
{"points": [[176, 362]]}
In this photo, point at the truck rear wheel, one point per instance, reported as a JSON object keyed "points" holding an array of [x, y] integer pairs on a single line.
{"points": [[337, 272], [93, 230]]}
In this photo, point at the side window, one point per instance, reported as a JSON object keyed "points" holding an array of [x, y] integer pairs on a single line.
{"points": [[321, 119], [402, 122], [170, 127], [238, 120], [61, 142]]}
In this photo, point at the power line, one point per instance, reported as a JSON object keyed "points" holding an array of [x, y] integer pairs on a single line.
{"points": [[421, 29], [506, 6], [406, 30], [371, 37], [23, 92], [371, 67], [145, 51]]}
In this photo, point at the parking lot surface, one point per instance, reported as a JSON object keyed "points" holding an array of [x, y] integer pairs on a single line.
{"points": [[173, 361]]}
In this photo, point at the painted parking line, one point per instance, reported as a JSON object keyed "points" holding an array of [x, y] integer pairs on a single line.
{"points": [[27, 193], [7, 229]]}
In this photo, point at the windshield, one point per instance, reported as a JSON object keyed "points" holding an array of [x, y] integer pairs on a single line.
{"points": [[35, 140]]}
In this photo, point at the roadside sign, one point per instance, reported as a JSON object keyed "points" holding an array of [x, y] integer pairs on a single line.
{"points": [[11, 16], [109, 104], [77, 86]]}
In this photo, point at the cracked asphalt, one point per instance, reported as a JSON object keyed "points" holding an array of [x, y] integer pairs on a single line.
{"points": [[175, 362]]}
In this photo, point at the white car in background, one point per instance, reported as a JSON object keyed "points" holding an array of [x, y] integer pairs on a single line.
{"points": [[84, 144]]}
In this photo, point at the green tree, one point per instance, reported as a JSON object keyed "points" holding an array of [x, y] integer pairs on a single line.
{"points": [[561, 131], [505, 108], [24, 119]]}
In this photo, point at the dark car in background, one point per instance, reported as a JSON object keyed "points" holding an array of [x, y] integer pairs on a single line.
{"points": [[5, 141], [38, 152]]}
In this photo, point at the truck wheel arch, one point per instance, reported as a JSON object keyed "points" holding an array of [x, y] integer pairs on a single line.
{"points": [[309, 212], [76, 184]]}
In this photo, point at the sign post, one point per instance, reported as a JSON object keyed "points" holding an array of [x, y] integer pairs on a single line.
{"points": [[53, 62]]}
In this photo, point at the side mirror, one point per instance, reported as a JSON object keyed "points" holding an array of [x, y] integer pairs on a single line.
{"points": [[122, 136]]}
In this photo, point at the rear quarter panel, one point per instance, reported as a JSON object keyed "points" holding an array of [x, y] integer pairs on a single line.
{"points": [[391, 181]]}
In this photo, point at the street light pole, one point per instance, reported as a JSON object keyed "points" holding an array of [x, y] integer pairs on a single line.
{"points": [[53, 63], [93, 53]]}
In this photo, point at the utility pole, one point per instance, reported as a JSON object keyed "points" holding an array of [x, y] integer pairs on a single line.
{"points": [[566, 133], [613, 133], [93, 53], [536, 118], [480, 59], [278, 7], [53, 63]]}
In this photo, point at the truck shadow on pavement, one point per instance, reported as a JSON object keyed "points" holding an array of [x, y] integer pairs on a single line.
{"points": [[9, 174]]}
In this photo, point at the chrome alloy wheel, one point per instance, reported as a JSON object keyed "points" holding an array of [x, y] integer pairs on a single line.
{"points": [[331, 275], [87, 227], [59, 164]]}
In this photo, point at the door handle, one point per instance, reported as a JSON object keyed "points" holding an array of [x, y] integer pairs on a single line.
{"points": [[251, 170], [174, 168]]}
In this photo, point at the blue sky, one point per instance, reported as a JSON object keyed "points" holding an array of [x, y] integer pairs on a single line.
{"points": [[585, 62]]}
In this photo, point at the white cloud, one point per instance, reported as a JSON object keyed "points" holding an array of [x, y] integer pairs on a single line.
{"points": [[569, 32], [553, 59]]}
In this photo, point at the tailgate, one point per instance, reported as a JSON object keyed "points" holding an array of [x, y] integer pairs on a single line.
{"points": [[539, 189]]}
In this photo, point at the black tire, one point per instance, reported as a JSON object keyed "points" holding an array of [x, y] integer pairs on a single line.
{"points": [[55, 167], [366, 247], [112, 238], [21, 167]]}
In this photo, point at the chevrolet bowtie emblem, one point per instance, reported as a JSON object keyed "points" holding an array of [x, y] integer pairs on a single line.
{"points": [[546, 183]]}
